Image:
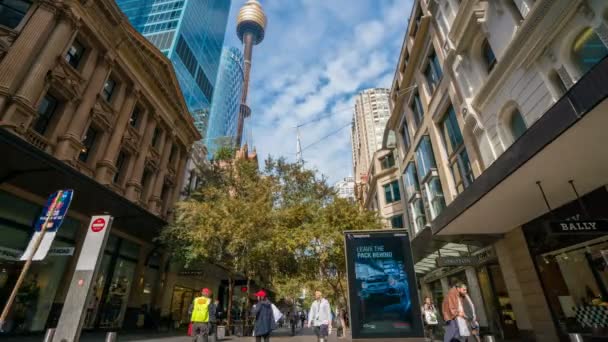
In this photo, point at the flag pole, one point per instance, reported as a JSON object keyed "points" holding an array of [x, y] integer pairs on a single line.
{"points": [[28, 262]]}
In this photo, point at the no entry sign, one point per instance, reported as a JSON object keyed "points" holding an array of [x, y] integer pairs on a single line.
{"points": [[98, 224]]}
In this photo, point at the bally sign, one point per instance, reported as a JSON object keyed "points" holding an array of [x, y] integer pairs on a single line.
{"points": [[577, 227], [449, 261]]}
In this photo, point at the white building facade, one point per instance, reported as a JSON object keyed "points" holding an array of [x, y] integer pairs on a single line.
{"points": [[498, 110], [346, 188]]}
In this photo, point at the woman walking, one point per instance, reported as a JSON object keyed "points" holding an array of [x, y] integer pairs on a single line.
{"points": [[429, 316], [264, 318]]}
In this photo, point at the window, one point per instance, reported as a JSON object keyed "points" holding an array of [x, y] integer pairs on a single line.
{"points": [[517, 125], [433, 71], [13, 11], [397, 222], [456, 151], [417, 109], [74, 54], [108, 89], [88, 143], [418, 215], [435, 196], [134, 120], [410, 180], [120, 166], [156, 137], [488, 55], [587, 50], [557, 83], [46, 109], [388, 161], [417, 21], [424, 157], [406, 137], [391, 192]]}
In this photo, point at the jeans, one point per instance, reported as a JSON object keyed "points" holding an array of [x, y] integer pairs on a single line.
{"points": [[200, 330], [265, 337]]}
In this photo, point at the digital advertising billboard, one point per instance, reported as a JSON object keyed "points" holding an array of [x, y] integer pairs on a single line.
{"points": [[383, 294]]}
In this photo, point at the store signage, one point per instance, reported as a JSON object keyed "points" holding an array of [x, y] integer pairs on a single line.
{"points": [[578, 227], [94, 242], [450, 261], [53, 213], [383, 296]]}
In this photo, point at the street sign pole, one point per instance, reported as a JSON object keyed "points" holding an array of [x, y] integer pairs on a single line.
{"points": [[74, 309], [28, 263]]}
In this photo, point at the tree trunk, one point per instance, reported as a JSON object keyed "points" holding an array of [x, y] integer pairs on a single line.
{"points": [[247, 304], [230, 295]]}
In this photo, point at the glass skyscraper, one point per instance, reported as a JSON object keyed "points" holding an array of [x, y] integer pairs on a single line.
{"points": [[226, 103], [191, 34]]}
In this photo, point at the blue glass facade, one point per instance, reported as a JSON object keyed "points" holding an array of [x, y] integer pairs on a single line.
{"points": [[191, 34], [227, 99]]}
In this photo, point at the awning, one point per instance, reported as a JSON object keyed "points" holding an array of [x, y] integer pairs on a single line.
{"points": [[35, 171], [567, 143]]}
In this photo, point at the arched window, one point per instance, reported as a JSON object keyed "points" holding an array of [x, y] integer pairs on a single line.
{"points": [[557, 83], [517, 125], [488, 55], [587, 50]]}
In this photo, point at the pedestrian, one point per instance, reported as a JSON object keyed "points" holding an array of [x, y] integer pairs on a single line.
{"points": [[320, 317], [458, 325], [429, 316], [470, 315], [265, 321], [200, 316], [302, 318], [293, 321]]}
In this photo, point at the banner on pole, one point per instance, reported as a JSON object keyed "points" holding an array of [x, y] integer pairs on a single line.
{"points": [[382, 287], [62, 200]]}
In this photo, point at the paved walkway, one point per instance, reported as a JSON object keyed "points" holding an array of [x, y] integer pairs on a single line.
{"points": [[284, 334]]}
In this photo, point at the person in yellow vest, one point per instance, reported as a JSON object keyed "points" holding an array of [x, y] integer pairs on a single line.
{"points": [[200, 316]]}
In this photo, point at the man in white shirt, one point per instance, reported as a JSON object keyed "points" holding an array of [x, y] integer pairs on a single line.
{"points": [[320, 317]]}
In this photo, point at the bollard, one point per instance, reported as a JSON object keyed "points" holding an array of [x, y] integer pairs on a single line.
{"points": [[575, 337], [489, 338], [111, 337], [48, 337]]}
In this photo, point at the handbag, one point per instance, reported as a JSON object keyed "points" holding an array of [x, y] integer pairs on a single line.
{"points": [[430, 318], [190, 332]]}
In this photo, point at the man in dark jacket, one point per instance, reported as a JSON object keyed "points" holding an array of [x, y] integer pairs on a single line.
{"points": [[264, 318]]}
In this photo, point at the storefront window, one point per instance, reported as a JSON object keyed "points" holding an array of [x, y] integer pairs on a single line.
{"points": [[118, 294], [180, 302], [578, 279]]}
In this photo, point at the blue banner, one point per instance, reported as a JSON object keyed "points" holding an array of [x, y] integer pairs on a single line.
{"points": [[64, 198]]}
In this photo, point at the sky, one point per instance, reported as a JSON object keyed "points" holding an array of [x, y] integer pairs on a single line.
{"points": [[315, 57]]}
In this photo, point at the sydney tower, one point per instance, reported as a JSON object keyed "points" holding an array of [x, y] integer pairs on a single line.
{"points": [[251, 23]]}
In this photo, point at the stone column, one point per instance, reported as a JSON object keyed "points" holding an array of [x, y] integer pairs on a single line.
{"points": [[106, 168], [476, 296], [33, 85], [179, 180], [18, 58], [445, 286], [134, 184], [63, 120], [155, 199], [70, 142]]}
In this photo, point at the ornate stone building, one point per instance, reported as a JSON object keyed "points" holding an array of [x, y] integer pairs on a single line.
{"points": [[87, 103]]}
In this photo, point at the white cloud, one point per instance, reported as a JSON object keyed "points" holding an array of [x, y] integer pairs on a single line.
{"points": [[316, 56]]}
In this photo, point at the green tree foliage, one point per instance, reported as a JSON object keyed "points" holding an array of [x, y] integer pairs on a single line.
{"points": [[281, 226]]}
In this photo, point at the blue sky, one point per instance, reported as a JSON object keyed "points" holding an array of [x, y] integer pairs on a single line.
{"points": [[316, 56]]}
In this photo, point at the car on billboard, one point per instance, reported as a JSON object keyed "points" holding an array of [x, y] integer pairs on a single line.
{"points": [[376, 284]]}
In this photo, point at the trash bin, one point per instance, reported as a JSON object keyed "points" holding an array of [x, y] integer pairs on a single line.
{"points": [[221, 332]]}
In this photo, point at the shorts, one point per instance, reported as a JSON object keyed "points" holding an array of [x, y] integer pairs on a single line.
{"points": [[322, 330], [201, 329]]}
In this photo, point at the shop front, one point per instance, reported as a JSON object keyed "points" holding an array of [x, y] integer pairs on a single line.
{"points": [[480, 272], [37, 301], [572, 264]]}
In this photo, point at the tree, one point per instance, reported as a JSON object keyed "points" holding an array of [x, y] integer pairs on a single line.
{"points": [[281, 226]]}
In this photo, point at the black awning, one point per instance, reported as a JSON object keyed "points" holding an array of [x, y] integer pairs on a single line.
{"points": [[425, 243], [35, 171]]}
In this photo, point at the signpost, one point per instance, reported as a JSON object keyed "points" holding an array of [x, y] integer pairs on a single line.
{"points": [[74, 309], [382, 286], [52, 216]]}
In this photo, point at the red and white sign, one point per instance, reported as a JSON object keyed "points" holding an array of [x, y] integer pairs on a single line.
{"points": [[98, 224], [94, 242]]}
